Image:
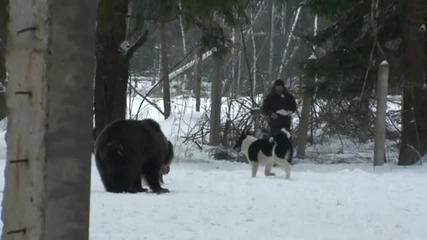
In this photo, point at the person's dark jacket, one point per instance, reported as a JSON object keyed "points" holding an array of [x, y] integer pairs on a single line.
{"points": [[274, 102]]}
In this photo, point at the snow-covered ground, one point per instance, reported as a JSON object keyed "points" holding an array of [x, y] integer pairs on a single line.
{"points": [[219, 200], [212, 199]]}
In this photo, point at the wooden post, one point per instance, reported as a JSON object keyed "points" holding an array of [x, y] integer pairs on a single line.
{"points": [[50, 60], [382, 89], [305, 117]]}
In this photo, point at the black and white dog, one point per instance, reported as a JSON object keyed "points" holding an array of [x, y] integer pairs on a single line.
{"points": [[277, 149]]}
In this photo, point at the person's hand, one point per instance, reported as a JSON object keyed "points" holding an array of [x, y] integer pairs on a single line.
{"points": [[274, 116]]}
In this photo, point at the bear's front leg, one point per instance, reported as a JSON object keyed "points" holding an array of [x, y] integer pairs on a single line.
{"points": [[151, 173], [137, 186]]}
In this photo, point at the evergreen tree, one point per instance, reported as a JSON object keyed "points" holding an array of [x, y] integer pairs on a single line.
{"points": [[414, 113], [362, 34]]}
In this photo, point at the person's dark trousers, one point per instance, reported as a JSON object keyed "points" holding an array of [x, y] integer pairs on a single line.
{"points": [[287, 126], [274, 131]]}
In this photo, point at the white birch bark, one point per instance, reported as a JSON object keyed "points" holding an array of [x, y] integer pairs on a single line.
{"points": [[288, 42], [271, 52], [254, 62], [51, 64]]}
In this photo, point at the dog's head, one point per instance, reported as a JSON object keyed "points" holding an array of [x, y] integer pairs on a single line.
{"points": [[238, 145]]}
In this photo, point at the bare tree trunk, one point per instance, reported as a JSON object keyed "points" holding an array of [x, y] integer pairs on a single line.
{"points": [[111, 65], [198, 77], [306, 104], [289, 39], [272, 33], [233, 61], [254, 62], [50, 95], [112, 61], [216, 101], [239, 68], [164, 71], [414, 114], [185, 81], [283, 17], [4, 18]]}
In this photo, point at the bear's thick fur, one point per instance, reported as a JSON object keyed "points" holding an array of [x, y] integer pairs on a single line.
{"points": [[127, 150]]}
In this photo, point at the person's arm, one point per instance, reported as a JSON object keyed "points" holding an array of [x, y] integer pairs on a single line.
{"points": [[266, 106], [289, 106], [267, 109]]}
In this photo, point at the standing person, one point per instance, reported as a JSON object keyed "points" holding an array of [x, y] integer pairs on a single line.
{"points": [[278, 106]]}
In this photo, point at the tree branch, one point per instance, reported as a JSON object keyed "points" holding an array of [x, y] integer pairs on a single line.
{"points": [[138, 43], [145, 98]]}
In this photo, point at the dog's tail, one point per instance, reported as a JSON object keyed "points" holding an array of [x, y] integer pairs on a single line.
{"points": [[288, 134]]}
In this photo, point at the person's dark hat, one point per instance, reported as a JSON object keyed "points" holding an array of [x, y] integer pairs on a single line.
{"points": [[279, 82]]}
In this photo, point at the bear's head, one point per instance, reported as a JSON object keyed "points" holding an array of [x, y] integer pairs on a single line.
{"points": [[168, 159]]}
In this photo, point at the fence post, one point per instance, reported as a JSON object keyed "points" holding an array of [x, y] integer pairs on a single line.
{"points": [[382, 89]]}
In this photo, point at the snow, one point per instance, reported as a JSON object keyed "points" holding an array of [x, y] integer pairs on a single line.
{"points": [[212, 199], [219, 200]]}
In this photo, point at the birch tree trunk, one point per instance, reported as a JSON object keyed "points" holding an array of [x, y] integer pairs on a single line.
{"points": [[216, 101], [414, 114], [271, 54], [51, 64], [254, 62], [288, 42], [164, 71]]}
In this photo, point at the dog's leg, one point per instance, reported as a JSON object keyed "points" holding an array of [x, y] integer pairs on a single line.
{"points": [[254, 166], [282, 162], [287, 166], [268, 167]]}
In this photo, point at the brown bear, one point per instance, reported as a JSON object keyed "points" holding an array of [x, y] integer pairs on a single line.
{"points": [[127, 150]]}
